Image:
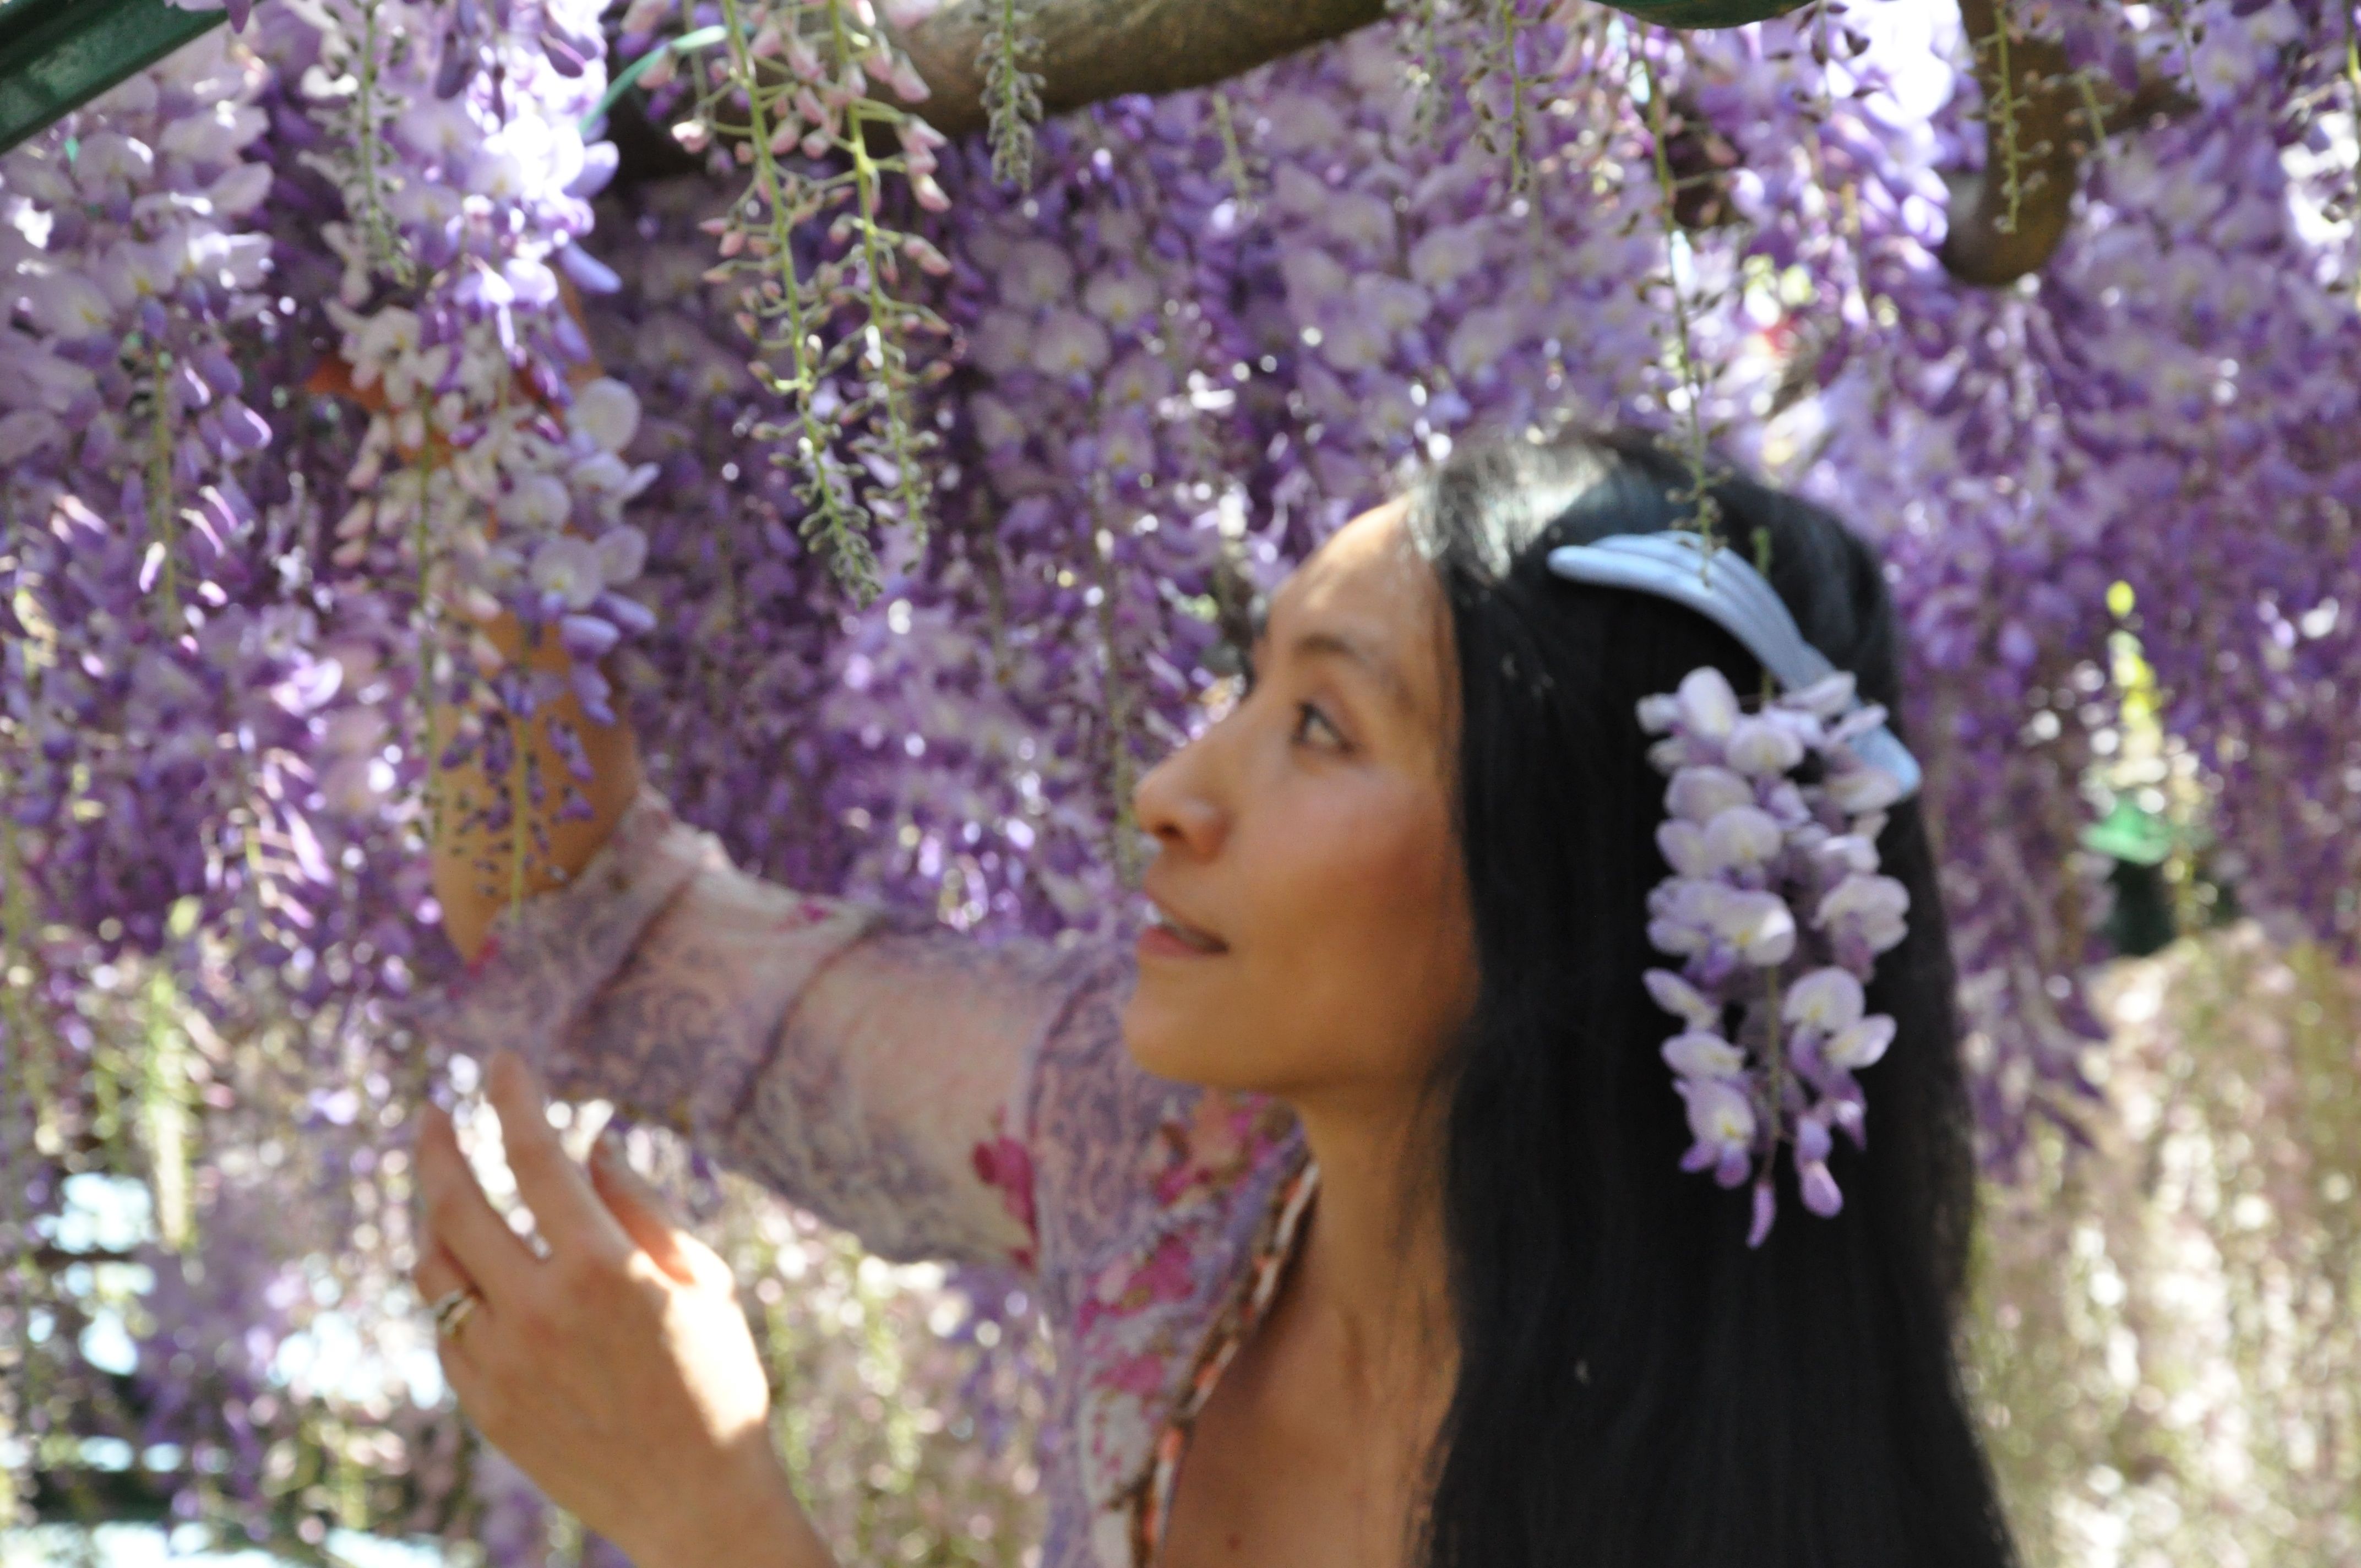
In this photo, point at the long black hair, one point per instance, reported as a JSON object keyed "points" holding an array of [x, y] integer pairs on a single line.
{"points": [[1636, 1388]]}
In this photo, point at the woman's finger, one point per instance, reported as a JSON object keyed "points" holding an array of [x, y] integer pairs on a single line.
{"points": [[436, 1275], [640, 1209], [563, 1204], [461, 1218]]}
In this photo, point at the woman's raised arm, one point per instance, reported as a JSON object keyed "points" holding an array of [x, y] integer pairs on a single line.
{"points": [[874, 1069], [467, 883], [476, 870]]}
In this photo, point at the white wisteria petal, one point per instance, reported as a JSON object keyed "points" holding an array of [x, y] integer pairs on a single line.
{"points": [[1863, 789], [1742, 836], [1720, 1112], [1871, 907], [1759, 925], [622, 555], [68, 307], [1120, 298], [1861, 1044], [1685, 847], [1858, 722], [538, 503], [1762, 746], [1829, 999], [1842, 854], [244, 188], [607, 412], [1698, 1054], [1068, 343], [1701, 794], [567, 566], [1676, 995], [1708, 707], [1829, 697]]}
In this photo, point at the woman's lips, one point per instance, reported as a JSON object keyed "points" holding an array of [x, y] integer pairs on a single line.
{"points": [[1167, 938], [1162, 942]]}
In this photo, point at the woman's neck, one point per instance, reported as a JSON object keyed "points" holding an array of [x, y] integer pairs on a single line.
{"points": [[1372, 1280]]}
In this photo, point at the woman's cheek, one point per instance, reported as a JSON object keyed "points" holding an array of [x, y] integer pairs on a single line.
{"points": [[1400, 951], [1341, 894], [1364, 915]]}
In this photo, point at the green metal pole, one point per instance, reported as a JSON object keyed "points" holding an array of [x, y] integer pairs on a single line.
{"points": [[56, 55]]}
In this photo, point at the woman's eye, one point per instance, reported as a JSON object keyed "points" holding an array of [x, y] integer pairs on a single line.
{"points": [[1306, 717]]}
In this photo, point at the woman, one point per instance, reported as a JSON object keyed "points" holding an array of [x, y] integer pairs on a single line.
{"points": [[1354, 1196]]}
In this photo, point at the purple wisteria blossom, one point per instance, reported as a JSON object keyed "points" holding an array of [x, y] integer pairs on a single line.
{"points": [[1129, 394], [1777, 914]]}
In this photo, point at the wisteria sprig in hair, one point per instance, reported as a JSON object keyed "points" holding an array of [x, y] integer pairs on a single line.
{"points": [[1777, 913]]}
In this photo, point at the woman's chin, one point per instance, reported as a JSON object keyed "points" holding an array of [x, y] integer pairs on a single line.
{"points": [[1178, 1041]]}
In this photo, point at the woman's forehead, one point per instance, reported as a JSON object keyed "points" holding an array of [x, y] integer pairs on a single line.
{"points": [[1368, 568], [1368, 584]]}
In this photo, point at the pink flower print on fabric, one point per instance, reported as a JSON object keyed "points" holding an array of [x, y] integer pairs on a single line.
{"points": [[1004, 1164], [1129, 1287], [1141, 1375], [485, 955], [1274, 1248], [1225, 1136]]}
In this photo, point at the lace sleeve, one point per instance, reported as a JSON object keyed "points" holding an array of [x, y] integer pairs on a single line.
{"points": [[867, 1069]]}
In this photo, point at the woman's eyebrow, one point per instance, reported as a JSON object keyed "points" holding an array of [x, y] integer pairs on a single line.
{"points": [[1323, 644], [1327, 644]]}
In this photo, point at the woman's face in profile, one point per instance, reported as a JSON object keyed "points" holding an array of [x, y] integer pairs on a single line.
{"points": [[1318, 937]]}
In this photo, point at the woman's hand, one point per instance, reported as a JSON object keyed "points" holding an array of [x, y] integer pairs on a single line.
{"points": [[617, 1371]]}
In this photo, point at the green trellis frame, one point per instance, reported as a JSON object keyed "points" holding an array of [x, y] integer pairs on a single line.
{"points": [[56, 55], [1706, 13]]}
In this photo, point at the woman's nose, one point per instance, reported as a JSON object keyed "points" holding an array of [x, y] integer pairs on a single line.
{"points": [[1173, 805]]}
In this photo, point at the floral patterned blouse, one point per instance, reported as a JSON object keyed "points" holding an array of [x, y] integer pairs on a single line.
{"points": [[939, 1098]]}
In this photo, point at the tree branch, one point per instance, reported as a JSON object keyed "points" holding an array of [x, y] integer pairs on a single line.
{"points": [[1989, 243], [49, 1258], [1096, 50], [2054, 134]]}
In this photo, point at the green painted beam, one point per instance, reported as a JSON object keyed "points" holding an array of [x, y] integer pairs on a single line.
{"points": [[1705, 13], [56, 55]]}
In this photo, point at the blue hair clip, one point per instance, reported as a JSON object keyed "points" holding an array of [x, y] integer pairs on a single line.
{"points": [[1723, 588]]}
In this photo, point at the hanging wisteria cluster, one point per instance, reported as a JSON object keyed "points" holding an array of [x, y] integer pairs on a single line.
{"points": [[911, 494], [1777, 914]]}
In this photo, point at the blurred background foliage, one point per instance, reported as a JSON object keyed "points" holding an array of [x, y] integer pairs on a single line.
{"points": [[2164, 1344]]}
